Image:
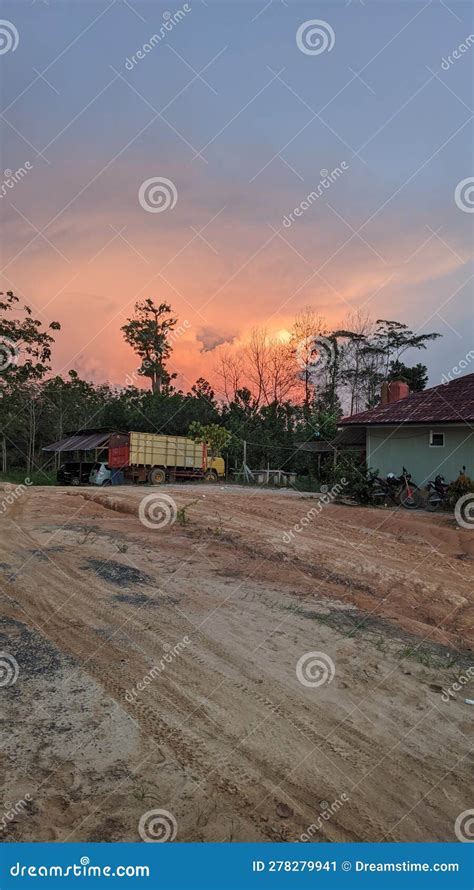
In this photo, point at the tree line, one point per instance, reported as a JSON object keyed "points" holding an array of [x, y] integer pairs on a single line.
{"points": [[273, 393]]}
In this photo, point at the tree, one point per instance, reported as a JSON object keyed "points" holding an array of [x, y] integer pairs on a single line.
{"points": [[202, 389], [230, 371], [359, 328], [214, 436], [382, 352], [25, 348], [25, 354], [416, 376], [391, 339], [270, 368], [148, 334], [270, 405], [307, 328]]}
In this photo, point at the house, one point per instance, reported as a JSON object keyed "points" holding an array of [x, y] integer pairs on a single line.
{"points": [[428, 432]]}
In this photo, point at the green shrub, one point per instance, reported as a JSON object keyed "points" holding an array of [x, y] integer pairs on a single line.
{"points": [[357, 481], [461, 486]]}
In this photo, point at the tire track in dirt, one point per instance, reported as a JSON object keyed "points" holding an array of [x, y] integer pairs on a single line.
{"points": [[230, 686], [191, 753], [67, 633]]}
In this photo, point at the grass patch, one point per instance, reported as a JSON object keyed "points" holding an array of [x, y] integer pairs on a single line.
{"points": [[17, 476], [381, 633]]}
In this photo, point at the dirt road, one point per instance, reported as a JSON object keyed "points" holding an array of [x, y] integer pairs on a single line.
{"points": [[168, 668]]}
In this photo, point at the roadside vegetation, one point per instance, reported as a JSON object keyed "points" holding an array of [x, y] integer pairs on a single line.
{"points": [[273, 395]]}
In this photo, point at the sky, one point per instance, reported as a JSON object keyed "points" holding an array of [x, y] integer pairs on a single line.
{"points": [[172, 169]]}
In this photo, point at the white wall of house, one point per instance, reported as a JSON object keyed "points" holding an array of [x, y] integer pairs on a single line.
{"points": [[391, 448]]}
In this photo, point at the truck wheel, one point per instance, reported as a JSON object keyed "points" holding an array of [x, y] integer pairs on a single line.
{"points": [[156, 476], [210, 476]]}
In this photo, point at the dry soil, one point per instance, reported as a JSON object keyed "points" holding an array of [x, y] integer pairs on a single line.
{"points": [[223, 603]]}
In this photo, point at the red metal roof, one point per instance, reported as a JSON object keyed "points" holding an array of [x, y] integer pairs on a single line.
{"points": [[451, 402]]}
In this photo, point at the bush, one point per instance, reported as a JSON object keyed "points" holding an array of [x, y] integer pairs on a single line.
{"points": [[461, 486], [357, 482]]}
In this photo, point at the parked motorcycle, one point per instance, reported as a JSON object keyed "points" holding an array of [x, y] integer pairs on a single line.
{"points": [[399, 491], [437, 493], [409, 495]]}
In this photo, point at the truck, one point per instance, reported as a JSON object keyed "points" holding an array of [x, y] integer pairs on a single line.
{"points": [[150, 457]]}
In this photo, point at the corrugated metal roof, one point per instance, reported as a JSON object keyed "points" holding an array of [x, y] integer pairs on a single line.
{"points": [[83, 441]]}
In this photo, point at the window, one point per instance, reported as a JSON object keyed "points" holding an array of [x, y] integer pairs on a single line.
{"points": [[436, 440]]}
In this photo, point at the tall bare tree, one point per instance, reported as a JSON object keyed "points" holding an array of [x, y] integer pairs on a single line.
{"points": [[307, 327], [230, 371]]}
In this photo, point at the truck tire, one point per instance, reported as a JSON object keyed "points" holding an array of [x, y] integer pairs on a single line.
{"points": [[156, 476], [210, 476]]}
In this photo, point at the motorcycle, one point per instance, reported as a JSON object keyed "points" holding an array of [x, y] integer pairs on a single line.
{"points": [[400, 491]]}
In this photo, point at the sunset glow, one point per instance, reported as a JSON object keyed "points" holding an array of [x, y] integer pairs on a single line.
{"points": [[242, 149]]}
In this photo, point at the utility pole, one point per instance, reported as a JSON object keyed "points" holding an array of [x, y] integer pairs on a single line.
{"points": [[245, 470]]}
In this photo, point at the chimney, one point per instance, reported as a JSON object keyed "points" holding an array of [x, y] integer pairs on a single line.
{"points": [[393, 391]]}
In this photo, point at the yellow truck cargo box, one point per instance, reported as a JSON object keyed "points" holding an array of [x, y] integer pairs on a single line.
{"points": [[149, 449], [170, 452]]}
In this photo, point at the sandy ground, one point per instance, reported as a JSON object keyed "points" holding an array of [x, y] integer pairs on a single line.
{"points": [[224, 735]]}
